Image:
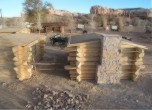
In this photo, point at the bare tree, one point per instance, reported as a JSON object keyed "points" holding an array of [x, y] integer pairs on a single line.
{"points": [[120, 23]]}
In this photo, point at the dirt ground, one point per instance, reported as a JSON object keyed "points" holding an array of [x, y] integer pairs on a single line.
{"points": [[127, 95]]}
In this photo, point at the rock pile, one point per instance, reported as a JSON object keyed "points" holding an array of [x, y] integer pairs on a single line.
{"points": [[47, 99]]}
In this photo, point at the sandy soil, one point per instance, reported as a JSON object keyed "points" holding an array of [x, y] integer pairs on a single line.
{"points": [[127, 95]]}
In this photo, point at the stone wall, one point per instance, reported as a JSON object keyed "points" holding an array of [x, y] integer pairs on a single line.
{"points": [[110, 70]]}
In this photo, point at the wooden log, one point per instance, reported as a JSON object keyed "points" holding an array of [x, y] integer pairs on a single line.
{"points": [[85, 43], [85, 48], [22, 59], [85, 72], [25, 63], [7, 71], [88, 51], [24, 72], [21, 49], [79, 64], [124, 77], [141, 55], [70, 49], [132, 66], [97, 45], [72, 54], [88, 59], [73, 72], [128, 45], [71, 58], [5, 61], [69, 67], [84, 78], [73, 63], [5, 49], [96, 54], [87, 68], [83, 75]]}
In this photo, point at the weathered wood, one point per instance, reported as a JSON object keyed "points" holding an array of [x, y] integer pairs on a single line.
{"points": [[88, 59], [133, 45], [85, 43], [69, 67], [70, 49], [93, 54], [86, 63]]}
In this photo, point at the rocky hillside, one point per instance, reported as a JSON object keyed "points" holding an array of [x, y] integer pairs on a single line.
{"points": [[61, 12], [137, 12]]}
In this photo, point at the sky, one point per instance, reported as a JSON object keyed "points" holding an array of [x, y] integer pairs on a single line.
{"points": [[13, 8]]}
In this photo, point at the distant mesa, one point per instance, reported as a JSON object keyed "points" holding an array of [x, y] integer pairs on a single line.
{"points": [[132, 12], [61, 12]]}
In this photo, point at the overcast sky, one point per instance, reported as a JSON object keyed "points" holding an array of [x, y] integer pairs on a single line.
{"points": [[11, 8]]}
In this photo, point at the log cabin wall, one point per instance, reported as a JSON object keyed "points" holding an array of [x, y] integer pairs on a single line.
{"points": [[84, 59], [18, 55], [114, 59], [132, 62]]}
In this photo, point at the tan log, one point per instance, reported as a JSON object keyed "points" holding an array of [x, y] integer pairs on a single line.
{"points": [[73, 63], [96, 54], [132, 67], [71, 58], [88, 51], [84, 78], [88, 59], [79, 64], [69, 67], [83, 75], [73, 54], [21, 63], [86, 70], [88, 48], [98, 45], [7, 71], [85, 43], [20, 49], [70, 49]]}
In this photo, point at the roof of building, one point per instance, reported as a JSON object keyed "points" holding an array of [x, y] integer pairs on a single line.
{"points": [[10, 30], [94, 36], [19, 39]]}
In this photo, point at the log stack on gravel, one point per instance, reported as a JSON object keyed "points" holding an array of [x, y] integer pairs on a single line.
{"points": [[46, 99], [132, 60], [18, 52], [83, 60]]}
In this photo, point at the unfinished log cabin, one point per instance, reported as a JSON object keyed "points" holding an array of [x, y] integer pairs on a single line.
{"points": [[18, 53], [104, 58]]}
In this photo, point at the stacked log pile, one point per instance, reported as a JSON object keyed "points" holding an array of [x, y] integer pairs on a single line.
{"points": [[132, 62], [83, 60], [17, 57]]}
